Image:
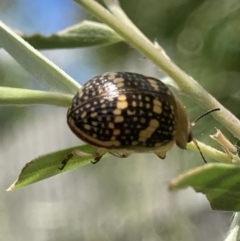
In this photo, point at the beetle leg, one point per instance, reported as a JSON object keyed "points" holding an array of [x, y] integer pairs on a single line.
{"points": [[98, 156], [100, 153], [75, 152], [121, 155], [161, 155]]}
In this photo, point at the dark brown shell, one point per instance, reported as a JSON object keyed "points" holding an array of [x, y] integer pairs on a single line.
{"points": [[124, 110]]}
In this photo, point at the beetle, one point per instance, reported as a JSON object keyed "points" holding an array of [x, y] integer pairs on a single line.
{"points": [[123, 113]]}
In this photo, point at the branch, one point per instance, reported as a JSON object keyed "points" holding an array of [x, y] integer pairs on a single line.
{"points": [[185, 82]]}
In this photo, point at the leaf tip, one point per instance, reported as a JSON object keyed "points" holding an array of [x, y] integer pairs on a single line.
{"points": [[172, 185], [12, 187]]}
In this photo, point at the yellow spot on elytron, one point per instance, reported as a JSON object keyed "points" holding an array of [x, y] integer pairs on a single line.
{"points": [[104, 111], [172, 107], [83, 115], [147, 98], [94, 123], [153, 84], [119, 85], [148, 106], [134, 143], [157, 102], [87, 127], [118, 119], [158, 144], [127, 131], [129, 112], [113, 138], [141, 104], [111, 125], [103, 106], [85, 97], [143, 120], [165, 133], [157, 106], [117, 112], [116, 132], [92, 109], [147, 133], [94, 114], [157, 109], [111, 76], [154, 123], [118, 80], [122, 105], [80, 94], [134, 103], [88, 105], [122, 97]]}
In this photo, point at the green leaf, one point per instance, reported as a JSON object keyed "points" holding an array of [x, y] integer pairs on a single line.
{"points": [[17, 96], [219, 182], [48, 165], [47, 73], [84, 34]]}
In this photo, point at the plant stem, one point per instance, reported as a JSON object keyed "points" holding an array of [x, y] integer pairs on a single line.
{"points": [[17, 96], [185, 82], [115, 8]]}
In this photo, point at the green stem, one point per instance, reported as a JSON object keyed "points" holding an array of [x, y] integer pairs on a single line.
{"points": [[16, 96], [115, 8], [185, 82]]}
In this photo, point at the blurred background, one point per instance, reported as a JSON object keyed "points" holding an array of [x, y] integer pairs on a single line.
{"points": [[116, 199]]}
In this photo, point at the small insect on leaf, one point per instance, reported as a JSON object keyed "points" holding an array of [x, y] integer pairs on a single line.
{"points": [[123, 113]]}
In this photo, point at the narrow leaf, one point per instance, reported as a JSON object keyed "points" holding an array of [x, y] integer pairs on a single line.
{"points": [[48, 165], [84, 34], [17, 96], [47, 73], [219, 182], [234, 231]]}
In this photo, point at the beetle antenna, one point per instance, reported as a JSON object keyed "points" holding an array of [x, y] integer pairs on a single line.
{"points": [[196, 144], [208, 112], [193, 124]]}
